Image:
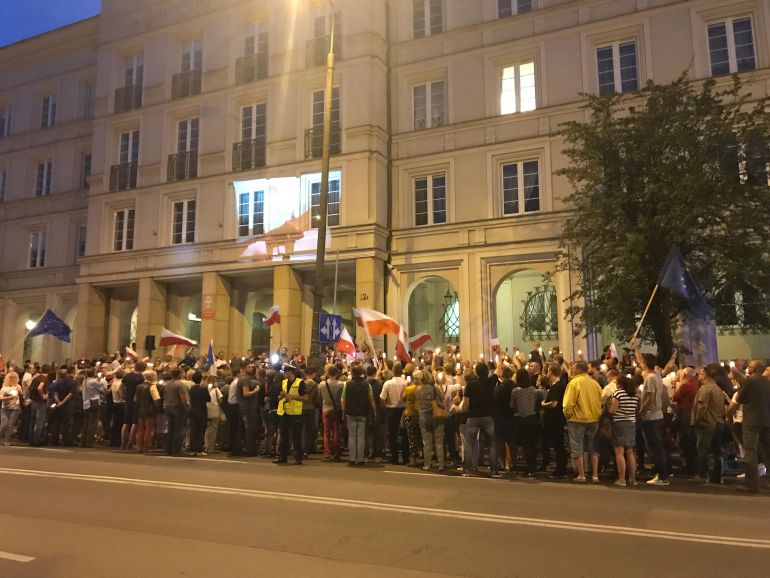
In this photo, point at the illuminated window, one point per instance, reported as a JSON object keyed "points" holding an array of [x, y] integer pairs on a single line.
{"points": [[517, 89]]}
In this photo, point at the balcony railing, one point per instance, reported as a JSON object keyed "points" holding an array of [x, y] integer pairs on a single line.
{"points": [[250, 68], [314, 141], [182, 166], [318, 48], [128, 98], [123, 176], [186, 84], [249, 154]]}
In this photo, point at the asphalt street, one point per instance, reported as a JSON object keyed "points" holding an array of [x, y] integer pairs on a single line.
{"points": [[82, 513]]}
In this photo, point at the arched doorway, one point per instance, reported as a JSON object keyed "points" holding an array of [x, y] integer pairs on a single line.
{"points": [[526, 311], [434, 308]]}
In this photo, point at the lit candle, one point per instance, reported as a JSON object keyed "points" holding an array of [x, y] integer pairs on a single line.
{"points": [[384, 355], [603, 367], [457, 366], [438, 350], [440, 376]]}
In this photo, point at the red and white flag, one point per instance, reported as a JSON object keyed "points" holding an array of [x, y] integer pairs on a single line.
{"points": [[419, 340], [345, 343], [167, 338], [131, 353], [2, 362], [273, 316], [402, 346], [376, 323]]}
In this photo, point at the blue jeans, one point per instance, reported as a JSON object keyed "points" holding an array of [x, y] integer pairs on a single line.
{"points": [[39, 412], [653, 435], [472, 428], [177, 426]]}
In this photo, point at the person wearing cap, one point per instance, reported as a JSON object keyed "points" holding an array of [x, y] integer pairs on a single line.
{"points": [[293, 393]]}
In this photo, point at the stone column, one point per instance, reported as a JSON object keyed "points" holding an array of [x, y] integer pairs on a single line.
{"points": [[215, 313], [568, 344], [287, 294], [151, 312], [90, 337], [370, 294]]}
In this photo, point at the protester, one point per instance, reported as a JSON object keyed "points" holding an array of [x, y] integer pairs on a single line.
{"points": [[431, 426], [624, 407], [582, 407], [10, 396], [708, 418], [357, 403], [479, 402]]}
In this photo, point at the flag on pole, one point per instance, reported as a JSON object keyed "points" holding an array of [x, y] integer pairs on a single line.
{"points": [[419, 340], [50, 324], [675, 277], [167, 338], [402, 346], [210, 359], [376, 323], [345, 343], [131, 353], [613, 351], [273, 316]]}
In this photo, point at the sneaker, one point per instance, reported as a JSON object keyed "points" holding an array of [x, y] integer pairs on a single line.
{"points": [[741, 476], [620, 483], [202, 454], [426, 468], [497, 475], [656, 481]]}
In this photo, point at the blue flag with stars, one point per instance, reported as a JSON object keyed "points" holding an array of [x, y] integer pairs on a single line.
{"points": [[50, 324], [675, 277]]}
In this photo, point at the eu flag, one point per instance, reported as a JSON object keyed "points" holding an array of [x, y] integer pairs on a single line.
{"points": [[678, 279], [50, 324], [210, 357]]}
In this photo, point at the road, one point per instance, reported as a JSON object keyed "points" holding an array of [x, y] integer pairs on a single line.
{"points": [[82, 513]]}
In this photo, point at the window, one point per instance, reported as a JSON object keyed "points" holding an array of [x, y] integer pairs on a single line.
{"points": [[187, 135], [123, 238], [731, 46], [427, 17], [134, 71], [255, 39], [88, 104], [37, 249], [192, 55], [3, 181], [332, 206], [85, 170], [314, 139], [430, 200], [251, 213], [521, 187], [5, 121], [129, 147], [517, 89], [507, 8], [184, 222], [43, 180], [48, 115], [254, 122], [80, 241], [617, 68], [429, 105]]}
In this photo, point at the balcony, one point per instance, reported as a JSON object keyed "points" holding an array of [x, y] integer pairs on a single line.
{"points": [[318, 48], [186, 84], [123, 176], [128, 98], [249, 154], [314, 140], [250, 68], [182, 166]]}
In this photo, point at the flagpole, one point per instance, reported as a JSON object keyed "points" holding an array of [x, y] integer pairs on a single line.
{"points": [[646, 309]]}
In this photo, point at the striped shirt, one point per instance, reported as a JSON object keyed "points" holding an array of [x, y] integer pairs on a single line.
{"points": [[628, 406]]}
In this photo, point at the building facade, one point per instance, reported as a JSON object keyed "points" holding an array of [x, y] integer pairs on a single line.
{"points": [[200, 127]]}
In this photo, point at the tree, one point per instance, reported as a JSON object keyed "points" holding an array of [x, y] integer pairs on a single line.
{"points": [[681, 164]]}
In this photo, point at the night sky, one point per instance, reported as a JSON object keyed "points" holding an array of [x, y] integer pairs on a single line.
{"points": [[20, 19]]}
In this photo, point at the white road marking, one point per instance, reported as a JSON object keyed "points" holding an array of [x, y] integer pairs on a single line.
{"points": [[15, 557], [36, 449], [635, 532], [201, 459], [457, 477]]}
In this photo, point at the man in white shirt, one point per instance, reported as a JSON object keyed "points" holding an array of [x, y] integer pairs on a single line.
{"points": [[391, 394]]}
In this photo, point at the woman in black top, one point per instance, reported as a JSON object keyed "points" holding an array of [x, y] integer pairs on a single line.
{"points": [[199, 397]]}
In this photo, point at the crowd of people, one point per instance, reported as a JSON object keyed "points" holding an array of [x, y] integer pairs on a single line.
{"points": [[531, 414]]}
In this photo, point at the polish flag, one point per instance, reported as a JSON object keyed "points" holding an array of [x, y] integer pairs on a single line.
{"points": [[2, 362], [167, 338], [273, 316], [419, 340], [345, 343], [376, 323], [402, 346]]}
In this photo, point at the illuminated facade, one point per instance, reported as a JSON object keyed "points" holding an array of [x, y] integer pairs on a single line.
{"points": [[202, 139]]}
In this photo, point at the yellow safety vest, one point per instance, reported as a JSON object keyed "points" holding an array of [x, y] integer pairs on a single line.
{"points": [[290, 407]]}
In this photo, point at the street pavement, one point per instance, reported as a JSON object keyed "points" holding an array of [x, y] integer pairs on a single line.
{"points": [[82, 513]]}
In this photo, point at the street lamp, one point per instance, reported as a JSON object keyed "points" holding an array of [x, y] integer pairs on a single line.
{"points": [[318, 281]]}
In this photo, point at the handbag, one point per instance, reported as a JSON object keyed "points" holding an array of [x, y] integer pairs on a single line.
{"points": [[440, 414]]}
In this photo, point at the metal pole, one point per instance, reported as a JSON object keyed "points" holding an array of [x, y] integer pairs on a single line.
{"points": [[323, 201]]}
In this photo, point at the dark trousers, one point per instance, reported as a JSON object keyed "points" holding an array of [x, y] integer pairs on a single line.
{"points": [[62, 423], [290, 426], [118, 414], [709, 443], [553, 435], [177, 426], [526, 431], [251, 422], [450, 439], [198, 424], [309, 430], [687, 445], [375, 435], [395, 433], [755, 441], [236, 430], [653, 435]]}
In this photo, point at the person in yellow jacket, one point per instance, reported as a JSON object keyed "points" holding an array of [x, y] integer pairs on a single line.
{"points": [[582, 407], [293, 393]]}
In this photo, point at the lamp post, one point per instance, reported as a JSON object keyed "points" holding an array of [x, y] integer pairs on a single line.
{"points": [[323, 209]]}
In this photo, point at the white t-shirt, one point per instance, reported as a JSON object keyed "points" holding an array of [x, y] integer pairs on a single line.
{"points": [[392, 391], [212, 407], [15, 393]]}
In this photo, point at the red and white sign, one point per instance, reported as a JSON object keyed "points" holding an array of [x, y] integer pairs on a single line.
{"points": [[208, 311]]}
